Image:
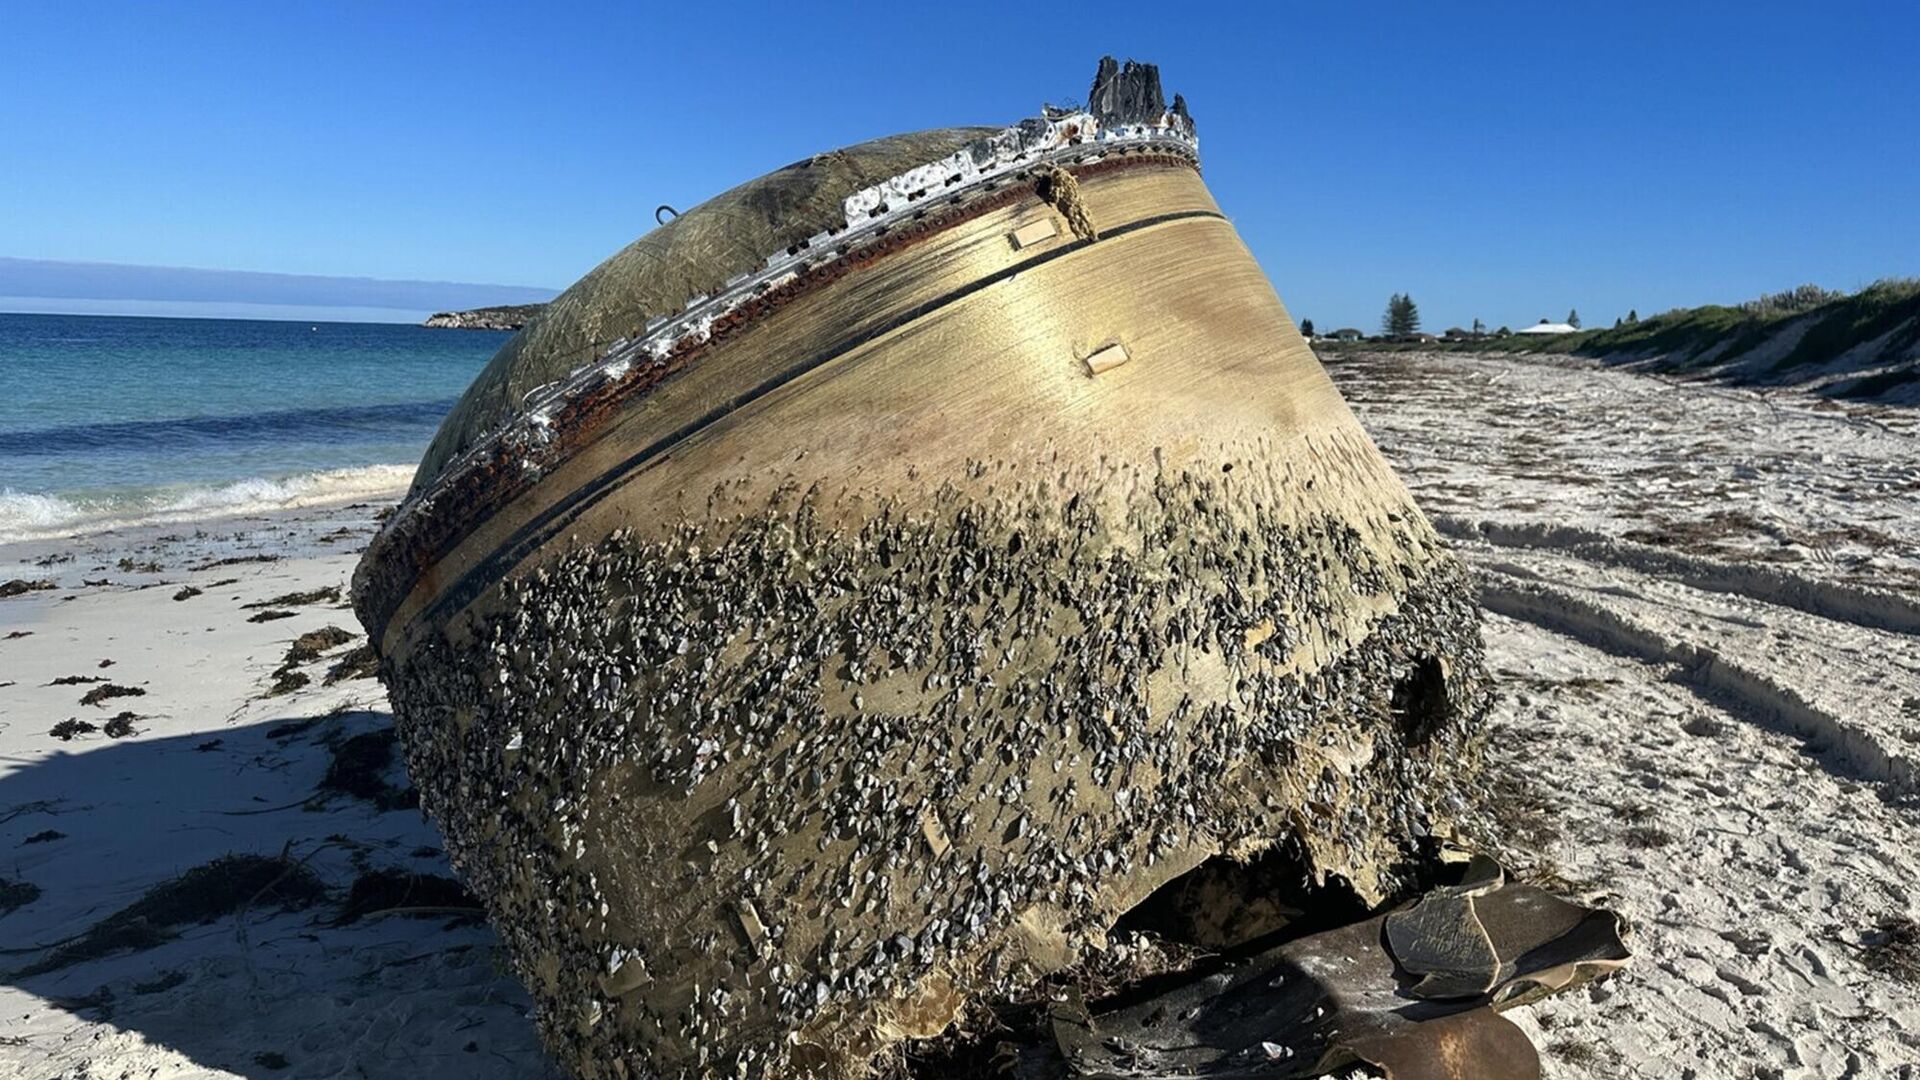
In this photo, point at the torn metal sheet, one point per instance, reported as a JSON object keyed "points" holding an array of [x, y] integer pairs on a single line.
{"points": [[1414, 992]]}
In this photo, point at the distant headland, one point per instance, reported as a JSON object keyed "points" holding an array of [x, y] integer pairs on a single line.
{"points": [[500, 317]]}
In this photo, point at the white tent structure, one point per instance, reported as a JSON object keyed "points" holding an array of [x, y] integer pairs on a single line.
{"points": [[1545, 327]]}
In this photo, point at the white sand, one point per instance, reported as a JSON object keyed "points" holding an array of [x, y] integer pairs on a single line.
{"points": [[1715, 730], [385, 997], [1727, 733]]}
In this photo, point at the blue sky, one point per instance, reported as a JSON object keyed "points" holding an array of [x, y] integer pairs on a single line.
{"points": [[1504, 161]]}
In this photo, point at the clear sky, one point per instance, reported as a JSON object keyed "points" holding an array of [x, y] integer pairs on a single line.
{"points": [[1504, 161]]}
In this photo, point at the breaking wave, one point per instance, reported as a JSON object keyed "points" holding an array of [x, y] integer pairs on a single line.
{"points": [[29, 516]]}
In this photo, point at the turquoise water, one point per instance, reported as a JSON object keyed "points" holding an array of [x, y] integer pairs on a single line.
{"points": [[107, 419]]}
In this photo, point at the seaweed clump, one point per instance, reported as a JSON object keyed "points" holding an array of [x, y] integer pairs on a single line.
{"points": [[225, 886], [16, 894], [392, 891], [359, 768], [1894, 949]]}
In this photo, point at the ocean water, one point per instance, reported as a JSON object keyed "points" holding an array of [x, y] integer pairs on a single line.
{"points": [[105, 420]]}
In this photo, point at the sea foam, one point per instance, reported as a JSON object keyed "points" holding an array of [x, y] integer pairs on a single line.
{"points": [[33, 516]]}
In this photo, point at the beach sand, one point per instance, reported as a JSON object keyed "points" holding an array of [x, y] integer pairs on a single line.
{"points": [[1706, 616], [216, 765]]}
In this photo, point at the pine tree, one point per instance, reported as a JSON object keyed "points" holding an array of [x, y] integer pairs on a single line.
{"points": [[1306, 327], [1573, 319], [1479, 327], [1402, 316], [1633, 316]]}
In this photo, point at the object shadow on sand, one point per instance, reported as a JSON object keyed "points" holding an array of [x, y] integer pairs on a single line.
{"points": [[264, 900]]}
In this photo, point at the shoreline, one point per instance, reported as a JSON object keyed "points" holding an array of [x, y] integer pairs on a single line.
{"points": [[210, 506]]}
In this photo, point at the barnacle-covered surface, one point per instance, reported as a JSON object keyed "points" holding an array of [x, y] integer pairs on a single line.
{"points": [[790, 771]]}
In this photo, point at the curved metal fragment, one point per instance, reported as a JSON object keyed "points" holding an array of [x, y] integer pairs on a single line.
{"points": [[1348, 995]]}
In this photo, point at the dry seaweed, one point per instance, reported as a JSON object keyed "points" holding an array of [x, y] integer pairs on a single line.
{"points": [[121, 726], [272, 614], [1893, 948], [187, 592], [207, 892], [327, 595], [165, 981], [236, 560], [16, 894], [359, 769], [45, 836], [111, 690], [71, 728], [360, 662], [19, 586], [393, 891], [308, 646]]}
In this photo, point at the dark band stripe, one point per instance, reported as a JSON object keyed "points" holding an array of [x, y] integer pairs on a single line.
{"points": [[542, 527]]}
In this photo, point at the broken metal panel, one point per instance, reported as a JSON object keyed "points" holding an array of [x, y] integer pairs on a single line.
{"points": [[1413, 992]]}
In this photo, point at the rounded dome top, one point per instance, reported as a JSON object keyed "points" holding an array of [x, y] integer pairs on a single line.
{"points": [[662, 271]]}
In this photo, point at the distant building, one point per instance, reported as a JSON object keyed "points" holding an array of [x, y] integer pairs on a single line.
{"points": [[1545, 327], [1347, 334], [1455, 333]]}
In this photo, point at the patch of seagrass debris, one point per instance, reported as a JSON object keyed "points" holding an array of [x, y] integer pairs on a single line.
{"points": [[237, 560], [359, 662], [16, 634], [1892, 948], [110, 691], [391, 891], [161, 982], [121, 725], [214, 890], [21, 586], [72, 728], [287, 729], [128, 565], [76, 680], [16, 894], [187, 592], [360, 767], [100, 1001], [327, 595], [308, 646], [45, 836], [305, 649], [272, 614]]}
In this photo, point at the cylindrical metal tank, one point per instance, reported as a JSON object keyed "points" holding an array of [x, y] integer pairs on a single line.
{"points": [[851, 597]]}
